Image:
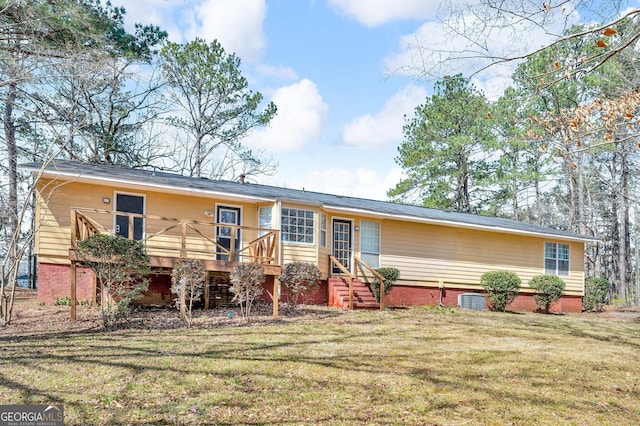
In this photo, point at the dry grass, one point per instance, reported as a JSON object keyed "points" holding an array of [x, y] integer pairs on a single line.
{"points": [[407, 366]]}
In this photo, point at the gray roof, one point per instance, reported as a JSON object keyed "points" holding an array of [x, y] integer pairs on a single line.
{"points": [[107, 173]]}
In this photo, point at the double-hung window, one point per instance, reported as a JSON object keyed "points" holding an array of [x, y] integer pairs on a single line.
{"points": [[264, 218], [556, 259], [370, 243], [297, 225]]}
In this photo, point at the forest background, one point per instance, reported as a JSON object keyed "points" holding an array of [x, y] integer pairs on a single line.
{"points": [[559, 148]]}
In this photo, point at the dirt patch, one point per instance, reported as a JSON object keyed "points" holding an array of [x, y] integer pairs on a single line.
{"points": [[630, 313], [32, 317]]}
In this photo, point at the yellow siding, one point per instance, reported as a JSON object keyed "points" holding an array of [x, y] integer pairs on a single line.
{"points": [[427, 254], [55, 202]]}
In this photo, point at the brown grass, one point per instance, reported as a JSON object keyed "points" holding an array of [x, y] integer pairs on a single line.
{"points": [[327, 366]]}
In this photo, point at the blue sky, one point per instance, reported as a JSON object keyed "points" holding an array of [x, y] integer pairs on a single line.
{"points": [[331, 67]]}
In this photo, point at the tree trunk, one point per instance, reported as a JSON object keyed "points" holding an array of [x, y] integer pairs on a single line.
{"points": [[12, 158]]}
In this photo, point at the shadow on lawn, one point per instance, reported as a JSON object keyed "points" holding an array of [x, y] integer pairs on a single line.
{"points": [[348, 347]]}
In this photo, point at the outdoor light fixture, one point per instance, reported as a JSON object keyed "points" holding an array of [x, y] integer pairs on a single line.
{"points": [[208, 213], [357, 228], [106, 200]]}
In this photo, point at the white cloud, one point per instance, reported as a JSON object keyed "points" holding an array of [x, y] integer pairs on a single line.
{"points": [[376, 12], [384, 127], [361, 182], [277, 72], [300, 120], [238, 29]]}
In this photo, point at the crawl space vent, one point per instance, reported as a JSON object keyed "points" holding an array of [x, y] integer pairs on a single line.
{"points": [[473, 301]]}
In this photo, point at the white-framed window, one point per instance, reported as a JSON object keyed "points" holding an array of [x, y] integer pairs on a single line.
{"points": [[297, 225], [265, 217], [556, 259], [370, 243], [323, 230]]}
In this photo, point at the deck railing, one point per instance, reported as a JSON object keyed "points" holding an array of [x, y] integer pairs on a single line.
{"points": [[185, 238]]}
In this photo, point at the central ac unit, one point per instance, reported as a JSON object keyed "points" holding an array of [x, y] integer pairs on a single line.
{"points": [[472, 301]]}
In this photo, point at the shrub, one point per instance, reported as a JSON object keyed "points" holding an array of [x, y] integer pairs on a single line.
{"points": [[502, 288], [188, 278], [63, 301], [595, 293], [246, 285], [300, 278], [390, 275], [548, 289], [121, 266]]}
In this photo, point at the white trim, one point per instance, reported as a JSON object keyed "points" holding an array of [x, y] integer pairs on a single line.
{"points": [[351, 237], [379, 253], [313, 236], [235, 208], [144, 210], [544, 259]]}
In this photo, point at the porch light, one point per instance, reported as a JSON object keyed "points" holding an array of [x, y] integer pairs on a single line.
{"points": [[208, 213], [106, 200]]}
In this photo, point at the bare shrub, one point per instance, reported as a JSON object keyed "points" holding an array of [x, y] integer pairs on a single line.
{"points": [[187, 281], [300, 279], [246, 285]]}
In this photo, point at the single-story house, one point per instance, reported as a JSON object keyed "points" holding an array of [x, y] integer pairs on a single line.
{"points": [[440, 254]]}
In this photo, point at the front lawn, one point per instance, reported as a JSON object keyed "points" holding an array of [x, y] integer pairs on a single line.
{"points": [[404, 366]]}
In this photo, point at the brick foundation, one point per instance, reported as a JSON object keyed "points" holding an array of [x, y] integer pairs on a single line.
{"points": [[418, 296], [54, 281]]}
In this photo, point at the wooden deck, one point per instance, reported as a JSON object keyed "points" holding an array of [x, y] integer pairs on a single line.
{"points": [[220, 246]]}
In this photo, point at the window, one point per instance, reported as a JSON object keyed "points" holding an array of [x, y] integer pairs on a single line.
{"points": [[556, 259], [370, 243], [264, 218], [323, 229], [297, 226]]}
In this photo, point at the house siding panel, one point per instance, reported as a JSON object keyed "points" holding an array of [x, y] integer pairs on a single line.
{"points": [[459, 257], [54, 215]]}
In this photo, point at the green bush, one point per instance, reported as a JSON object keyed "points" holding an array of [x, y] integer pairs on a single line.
{"points": [[390, 275], [595, 293], [63, 301], [121, 267], [502, 288], [548, 289]]}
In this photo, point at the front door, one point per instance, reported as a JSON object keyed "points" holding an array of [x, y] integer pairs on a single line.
{"points": [[129, 204], [342, 243], [225, 235]]}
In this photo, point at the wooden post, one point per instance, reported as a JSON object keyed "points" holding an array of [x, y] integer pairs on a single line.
{"points": [[183, 247], [131, 237], [73, 291], [275, 296], [382, 295], [350, 292], [206, 291]]}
